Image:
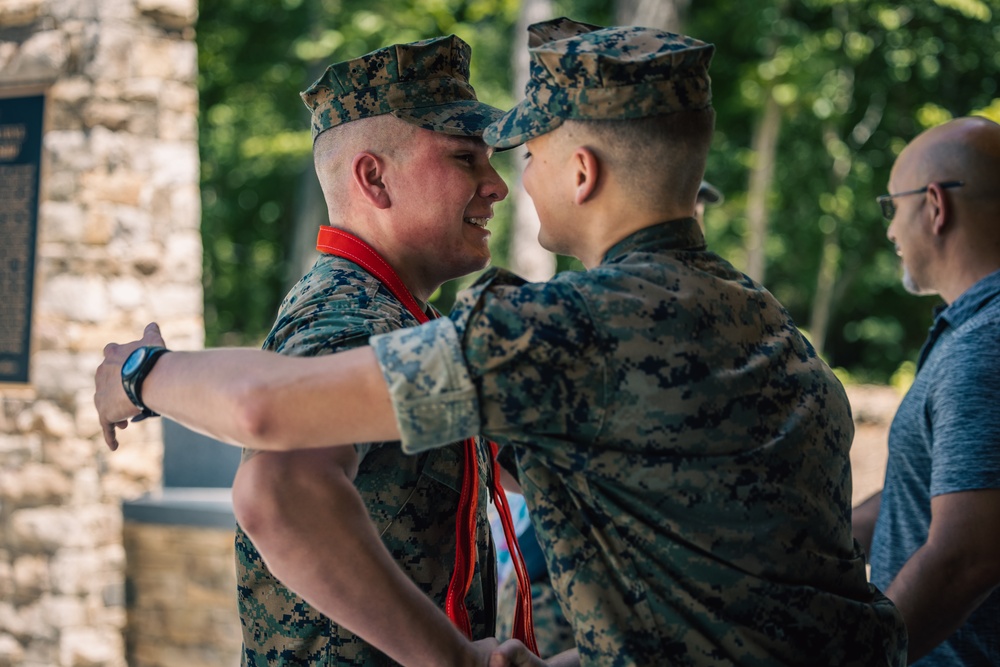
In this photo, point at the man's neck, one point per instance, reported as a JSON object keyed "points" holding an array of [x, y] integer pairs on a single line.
{"points": [[617, 226], [420, 286]]}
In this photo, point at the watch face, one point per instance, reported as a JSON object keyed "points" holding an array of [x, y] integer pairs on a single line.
{"points": [[134, 360]]}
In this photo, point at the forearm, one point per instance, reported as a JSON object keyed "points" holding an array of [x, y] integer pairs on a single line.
{"points": [[863, 518], [272, 402], [935, 593], [317, 538], [570, 658]]}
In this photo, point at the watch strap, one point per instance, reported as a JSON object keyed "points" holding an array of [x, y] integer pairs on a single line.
{"points": [[132, 382]]}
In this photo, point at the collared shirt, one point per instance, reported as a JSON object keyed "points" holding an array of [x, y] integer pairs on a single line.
{"points": [[682, 449], [945, 438], [412, 500]]}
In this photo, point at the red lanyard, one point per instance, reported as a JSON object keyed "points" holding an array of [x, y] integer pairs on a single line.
{"points": [[342, 244]]}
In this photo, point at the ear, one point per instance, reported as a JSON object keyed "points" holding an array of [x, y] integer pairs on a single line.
{"points": [[586, 174], [367, 170], [939, 208]]}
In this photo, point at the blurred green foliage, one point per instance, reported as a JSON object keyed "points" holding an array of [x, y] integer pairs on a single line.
{"points": [[855, 80]]}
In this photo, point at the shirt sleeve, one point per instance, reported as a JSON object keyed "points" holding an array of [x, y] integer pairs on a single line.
{"points": [[964, 413], [513, 361]]}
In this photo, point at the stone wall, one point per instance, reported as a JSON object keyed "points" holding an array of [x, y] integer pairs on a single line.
{"points": [[182, 596], [118, 246]]}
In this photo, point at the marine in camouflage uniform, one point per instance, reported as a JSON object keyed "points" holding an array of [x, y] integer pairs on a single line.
{"points": [[681, 447], [336, 306]]}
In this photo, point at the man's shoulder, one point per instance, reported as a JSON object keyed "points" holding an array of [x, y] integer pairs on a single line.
{"points": [[335, 305]]}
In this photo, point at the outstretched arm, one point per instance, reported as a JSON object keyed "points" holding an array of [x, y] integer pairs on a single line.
{"points": [[253, 398]]}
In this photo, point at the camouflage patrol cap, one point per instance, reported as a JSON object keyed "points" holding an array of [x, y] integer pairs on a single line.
{"points": [[580, 72], [425, 83]]}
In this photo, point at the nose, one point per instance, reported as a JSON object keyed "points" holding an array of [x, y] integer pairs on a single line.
{"points": [[493, 186]]}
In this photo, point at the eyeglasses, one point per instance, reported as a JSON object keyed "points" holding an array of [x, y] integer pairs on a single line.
{"points": [[889, 206]]}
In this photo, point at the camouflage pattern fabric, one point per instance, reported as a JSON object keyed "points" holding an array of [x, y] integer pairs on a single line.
{"points": [[411, 500], [561, 28], [682, 450], [611, 73], [424, 83], [553, 633]]}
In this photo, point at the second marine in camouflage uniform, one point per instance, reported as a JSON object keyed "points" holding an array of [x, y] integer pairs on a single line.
{"points": [[682, 449]]}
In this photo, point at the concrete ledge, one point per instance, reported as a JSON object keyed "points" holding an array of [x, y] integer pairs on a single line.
{"points": [[206, 507]]}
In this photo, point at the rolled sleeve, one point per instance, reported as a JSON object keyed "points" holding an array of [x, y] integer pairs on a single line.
{"points": [[432, 392]]}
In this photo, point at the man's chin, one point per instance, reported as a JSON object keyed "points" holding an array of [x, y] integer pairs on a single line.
{"points": [[911, 286]]}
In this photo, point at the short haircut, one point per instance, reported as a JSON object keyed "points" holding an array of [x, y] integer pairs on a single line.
{"points": [[335, 148], [663, 157]]}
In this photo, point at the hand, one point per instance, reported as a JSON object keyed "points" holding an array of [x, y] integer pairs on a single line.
{"points": [[513, 653], [114, 408], [482, 649]]}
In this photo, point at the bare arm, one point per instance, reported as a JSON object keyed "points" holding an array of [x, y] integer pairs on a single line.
{"points": [[959, 566], [317, 538], [253, 398], [863, 522]]}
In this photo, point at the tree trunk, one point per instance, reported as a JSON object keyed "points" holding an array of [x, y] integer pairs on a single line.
{"points": [[527, 257], [765, 148], [310, 213], [663, 14]]}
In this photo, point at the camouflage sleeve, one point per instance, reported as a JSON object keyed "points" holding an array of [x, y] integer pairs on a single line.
{"points": [[512, 360], [432, 391]]}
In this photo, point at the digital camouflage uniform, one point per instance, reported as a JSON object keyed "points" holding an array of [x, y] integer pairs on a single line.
{"points": [[682, 449], [336, 306]]}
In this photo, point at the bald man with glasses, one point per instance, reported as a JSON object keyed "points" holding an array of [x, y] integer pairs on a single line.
{"points": [[932, 533]]}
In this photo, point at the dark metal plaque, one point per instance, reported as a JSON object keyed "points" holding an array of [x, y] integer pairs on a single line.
{"points": [[20, 160]]}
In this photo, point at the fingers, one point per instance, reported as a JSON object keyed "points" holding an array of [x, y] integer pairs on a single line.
{"points": [[151, 335], [111, 433], [513, 653]]}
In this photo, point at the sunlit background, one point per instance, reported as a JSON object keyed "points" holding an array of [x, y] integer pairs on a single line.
{"points": [[814, 101]]}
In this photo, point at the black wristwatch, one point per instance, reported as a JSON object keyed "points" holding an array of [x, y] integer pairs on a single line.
{"points": [[134, 371]]}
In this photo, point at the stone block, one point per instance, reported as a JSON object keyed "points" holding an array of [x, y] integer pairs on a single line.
{"points": [[49, 419], [117, 186], [112, 114], [31, 578], [70, 91], [91, 647], [177, 300], [6, 580], [11, 651], [79, 298], [177, 126], [67, 150], [170, 13], [16, 448], [33, 485], [15, 13], [184, 254], [60, 222], [166, 59], [41, 58], [46, 530]]}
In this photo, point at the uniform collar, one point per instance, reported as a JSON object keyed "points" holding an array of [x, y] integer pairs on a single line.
{"points": [[679, 234]]}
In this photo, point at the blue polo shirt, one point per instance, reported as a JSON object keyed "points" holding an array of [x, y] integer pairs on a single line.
{"points": [[945, 438]]}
